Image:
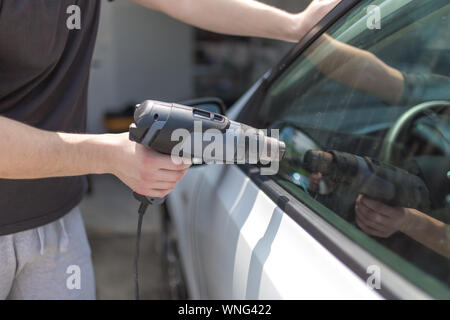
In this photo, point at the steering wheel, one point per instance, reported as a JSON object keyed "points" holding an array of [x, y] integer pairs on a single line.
{"points": [[394, 132]]}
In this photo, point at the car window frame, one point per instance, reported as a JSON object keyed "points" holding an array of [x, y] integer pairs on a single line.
{"points": [[310, 215]]}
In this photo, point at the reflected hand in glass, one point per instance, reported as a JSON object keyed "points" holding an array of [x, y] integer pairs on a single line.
{"points": [[380, 220]]}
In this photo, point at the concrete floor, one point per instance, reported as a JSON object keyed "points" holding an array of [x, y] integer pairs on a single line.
{"points": [[110, 215]]}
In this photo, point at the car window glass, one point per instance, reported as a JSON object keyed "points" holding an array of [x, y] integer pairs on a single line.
{"points": [[365, 114]]}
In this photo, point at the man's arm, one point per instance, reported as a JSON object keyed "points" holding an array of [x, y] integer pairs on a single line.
{"points": [[30, 153], [244, 17]]}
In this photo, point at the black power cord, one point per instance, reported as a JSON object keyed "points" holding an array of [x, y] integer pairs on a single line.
{"points": [[142, 209]]}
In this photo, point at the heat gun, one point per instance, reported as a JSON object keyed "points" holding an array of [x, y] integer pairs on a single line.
{"points": [[379, 181], [156, 121]]}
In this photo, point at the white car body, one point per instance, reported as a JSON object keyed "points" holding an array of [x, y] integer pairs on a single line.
{"points": [[237, 242]]}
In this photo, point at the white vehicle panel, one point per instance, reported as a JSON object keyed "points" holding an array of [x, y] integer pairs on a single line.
{"points": [[248, 248], [179, 207]]}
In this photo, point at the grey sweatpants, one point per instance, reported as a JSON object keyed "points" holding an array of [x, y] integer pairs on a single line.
{"points": [[49, 262]]}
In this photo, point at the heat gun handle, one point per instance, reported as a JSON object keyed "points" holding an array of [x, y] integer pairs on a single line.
{"points": [[149, 200]]}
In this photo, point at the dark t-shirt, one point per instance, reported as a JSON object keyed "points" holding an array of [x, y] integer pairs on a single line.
{"points": [[44, 71]]}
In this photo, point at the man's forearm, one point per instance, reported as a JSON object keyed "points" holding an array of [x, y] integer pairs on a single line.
{"points": [[30, 153], [235, 17]]}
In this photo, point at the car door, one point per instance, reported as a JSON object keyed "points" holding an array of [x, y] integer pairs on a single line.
{"points": [[247, 246], [295, 235], [354, 89]]}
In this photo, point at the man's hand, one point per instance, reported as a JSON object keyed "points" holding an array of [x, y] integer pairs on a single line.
{"points": [[308, 18], [378, 219], [145, 171]]}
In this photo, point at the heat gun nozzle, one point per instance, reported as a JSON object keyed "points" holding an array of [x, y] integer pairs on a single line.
{"points": [[274, 150]]}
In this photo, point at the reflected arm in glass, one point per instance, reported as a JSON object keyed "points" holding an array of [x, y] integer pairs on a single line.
{"points": [[356, 68]]}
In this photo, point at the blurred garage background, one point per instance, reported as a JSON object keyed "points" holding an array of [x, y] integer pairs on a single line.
{"points": [[141, 54]]}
